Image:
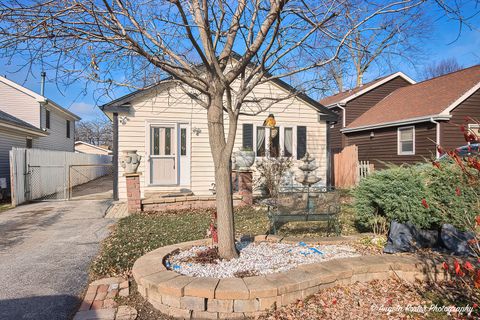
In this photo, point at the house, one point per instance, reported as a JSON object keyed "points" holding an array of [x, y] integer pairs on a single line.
{"points": [[84, 147], [407, 124], [30, 120], [349, 105], [169, 130]]}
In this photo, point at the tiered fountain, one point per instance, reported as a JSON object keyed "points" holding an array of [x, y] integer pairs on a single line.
{"points": [[307, 177]]}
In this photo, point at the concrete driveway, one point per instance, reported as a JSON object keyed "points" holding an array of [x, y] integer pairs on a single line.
{"points": [[45, 251]]}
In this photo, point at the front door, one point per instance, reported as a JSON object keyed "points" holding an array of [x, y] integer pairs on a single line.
{"points": [[163, 155]]}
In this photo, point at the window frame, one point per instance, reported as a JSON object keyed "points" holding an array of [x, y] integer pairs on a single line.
{"points": [[399, 147], [281, 140], [474, 127], [47, 119], [68, 128]]}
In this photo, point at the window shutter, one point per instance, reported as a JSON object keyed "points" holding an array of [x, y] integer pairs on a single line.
{"points": [[247, 136], [301, 141]]}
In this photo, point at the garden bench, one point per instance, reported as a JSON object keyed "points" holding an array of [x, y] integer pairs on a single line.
{"points": [[301, 206]]}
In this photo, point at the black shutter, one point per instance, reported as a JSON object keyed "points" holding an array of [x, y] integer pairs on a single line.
{"points": [[247, 136], [301, 141]]}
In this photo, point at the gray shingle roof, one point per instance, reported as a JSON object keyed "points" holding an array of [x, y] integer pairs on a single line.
{"points": [[8, 118]]}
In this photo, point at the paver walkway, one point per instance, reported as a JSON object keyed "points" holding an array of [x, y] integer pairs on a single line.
{"points": [[45, 251]]}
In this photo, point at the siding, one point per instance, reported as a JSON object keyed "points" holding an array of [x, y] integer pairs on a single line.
{"points": [[19, 104], [9, 139], [57, 134], [383, 146], [83, 148], [336, 137], [175, 107], [451, 136], [359, 105]]}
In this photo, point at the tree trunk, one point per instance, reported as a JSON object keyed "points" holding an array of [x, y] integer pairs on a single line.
{"points": [[221, 154]]}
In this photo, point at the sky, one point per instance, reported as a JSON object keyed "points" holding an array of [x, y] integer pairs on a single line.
{"points": [[445, 41]]}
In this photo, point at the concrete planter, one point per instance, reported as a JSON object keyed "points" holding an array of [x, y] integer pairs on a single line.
{"points": [[130, 161], [244, 159]]}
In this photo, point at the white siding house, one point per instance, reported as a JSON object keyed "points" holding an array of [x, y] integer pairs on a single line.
{"points": [[40, 112], [169, 130]]}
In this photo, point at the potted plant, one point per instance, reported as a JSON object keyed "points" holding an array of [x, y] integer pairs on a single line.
{"points": [[244, 158]]}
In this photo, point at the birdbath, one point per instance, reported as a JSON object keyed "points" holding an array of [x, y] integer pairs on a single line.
{"points": [[307, 177]]}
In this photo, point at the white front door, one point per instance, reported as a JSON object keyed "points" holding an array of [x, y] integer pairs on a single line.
{"points": [[169, 156], [163, 155]]}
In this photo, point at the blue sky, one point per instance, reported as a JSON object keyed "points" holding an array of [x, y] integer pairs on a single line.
{"points": [[443, 43]]}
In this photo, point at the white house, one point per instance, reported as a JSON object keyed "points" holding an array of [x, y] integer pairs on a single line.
{"points": [[169, 130], [84, 147], [30, 120]]}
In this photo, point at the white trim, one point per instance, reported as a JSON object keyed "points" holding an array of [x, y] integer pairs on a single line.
{"points": [[465, 96], [373, 86], [399, 150], [93, 146], [29, 92], [437, 136], [22, 129], [281, 140], [398, 123]]}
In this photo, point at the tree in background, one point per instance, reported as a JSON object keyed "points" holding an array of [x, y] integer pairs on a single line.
{"points": [[97, 132], [121, 42], [437, 69]]}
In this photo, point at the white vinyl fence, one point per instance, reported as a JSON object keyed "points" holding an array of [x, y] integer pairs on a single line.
{"points": [[37, 174]]}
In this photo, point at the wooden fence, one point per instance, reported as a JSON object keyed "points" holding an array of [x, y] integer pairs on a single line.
{"points": [[45, 174], [348, 171]]}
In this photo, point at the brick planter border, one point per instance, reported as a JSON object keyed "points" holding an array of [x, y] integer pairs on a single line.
{"points": [[187, 297], [185, 203]]}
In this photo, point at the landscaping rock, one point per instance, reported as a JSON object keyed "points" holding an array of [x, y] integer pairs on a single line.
{"points": [[456, 241], [400, 238]]}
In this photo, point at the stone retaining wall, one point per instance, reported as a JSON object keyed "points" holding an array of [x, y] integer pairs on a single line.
{"points": [[187, 297], [184, 203]]}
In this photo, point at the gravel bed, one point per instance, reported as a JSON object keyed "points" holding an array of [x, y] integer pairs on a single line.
{"points": [[256, 259]]}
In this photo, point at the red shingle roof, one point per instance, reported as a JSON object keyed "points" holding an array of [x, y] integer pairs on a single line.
{"points": [[345, 94], [427, 98]]}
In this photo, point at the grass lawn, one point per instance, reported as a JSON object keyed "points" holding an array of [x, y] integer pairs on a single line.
{"points": [[138, 234]]}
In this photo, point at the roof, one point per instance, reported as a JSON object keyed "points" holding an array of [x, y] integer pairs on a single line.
{"points": [[93, 146], [39, 98], [433, 98], [345, 96], [7, 120], [117, 105]]}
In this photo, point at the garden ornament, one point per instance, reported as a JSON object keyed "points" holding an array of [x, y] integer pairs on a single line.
{"points": [[130, 161]]}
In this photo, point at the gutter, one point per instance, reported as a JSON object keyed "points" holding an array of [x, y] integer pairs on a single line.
{"points": [[398, 123], [344, 113], [17, 127]]}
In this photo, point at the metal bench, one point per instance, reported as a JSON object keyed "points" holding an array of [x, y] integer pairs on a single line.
{"points": [[300, 205]]}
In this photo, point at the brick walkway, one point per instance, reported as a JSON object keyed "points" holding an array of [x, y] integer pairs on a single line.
{"points": [[99, 301]]}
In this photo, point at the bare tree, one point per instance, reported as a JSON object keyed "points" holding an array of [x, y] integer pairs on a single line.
{"points": [[97, 132], [193, 42], [437, 69]]}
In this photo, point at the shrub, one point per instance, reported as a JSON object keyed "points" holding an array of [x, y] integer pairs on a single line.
{"points": [[420, 194], [271, 173]]}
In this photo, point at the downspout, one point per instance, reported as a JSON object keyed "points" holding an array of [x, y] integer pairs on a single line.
{"points": [[344, 113], [437, 136], [115, 156], [329, 155]]}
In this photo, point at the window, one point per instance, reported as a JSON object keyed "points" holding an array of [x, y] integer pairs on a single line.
{"points": [[406, 140], [47, 119], [289, 141], [161, 142], [183, 141], [68, 129], [475, 129], [29, 143]]}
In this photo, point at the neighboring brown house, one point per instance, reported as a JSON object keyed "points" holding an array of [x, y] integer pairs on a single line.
{"points": [[407, 124], [351, 104]]}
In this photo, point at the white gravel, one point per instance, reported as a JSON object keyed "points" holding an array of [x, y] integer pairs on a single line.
{"points": [[258, 258]]}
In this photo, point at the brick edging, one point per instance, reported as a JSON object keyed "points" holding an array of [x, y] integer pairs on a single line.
{"points": [[187, 297]]}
